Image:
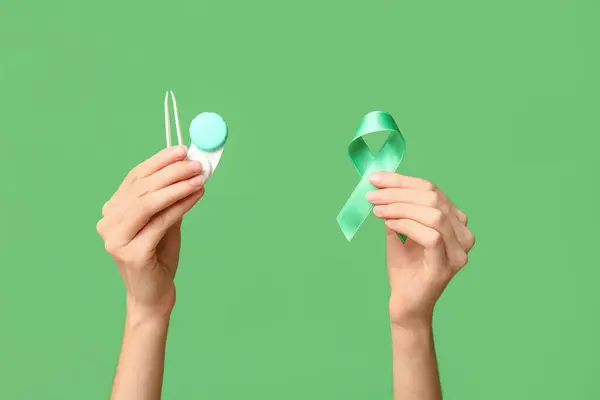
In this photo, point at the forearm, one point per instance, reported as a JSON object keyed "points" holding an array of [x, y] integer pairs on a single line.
{"points": [[416, 374], [140, 370]]}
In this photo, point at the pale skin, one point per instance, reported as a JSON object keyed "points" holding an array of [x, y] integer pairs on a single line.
{"points": [[141, 229], [419, 270]]}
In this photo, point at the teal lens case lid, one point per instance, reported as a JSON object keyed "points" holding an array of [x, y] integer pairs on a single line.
{"points": [[208, 131]]}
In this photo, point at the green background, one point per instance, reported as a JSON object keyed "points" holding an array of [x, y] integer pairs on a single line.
{"points": [[498, 102]]}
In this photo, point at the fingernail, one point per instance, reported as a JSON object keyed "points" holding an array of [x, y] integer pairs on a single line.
{"points": [[375, 178], [371, 195], [180, 150], [196, 166], [197, 181], [377, 209]]}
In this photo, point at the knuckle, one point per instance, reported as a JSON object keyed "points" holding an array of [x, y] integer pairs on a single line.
{"points": [[435, 199], [461, 260], [106, 208], [100, 226], [111, 247], [427, 185], [132, 175], [437, 218], [462, 217], [470, 240]]}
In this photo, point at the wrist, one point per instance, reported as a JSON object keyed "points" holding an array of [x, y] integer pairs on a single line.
{"points": [[411, 322], [410, 318], [413, 338], [141, 315], [136, 322], [412, 328]]}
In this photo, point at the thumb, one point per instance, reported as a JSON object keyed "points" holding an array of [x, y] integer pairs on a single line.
{"points": [[394, 244], [392, 232]]}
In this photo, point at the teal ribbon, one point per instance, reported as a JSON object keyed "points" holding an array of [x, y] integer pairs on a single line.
{"points": [[387, 159]]}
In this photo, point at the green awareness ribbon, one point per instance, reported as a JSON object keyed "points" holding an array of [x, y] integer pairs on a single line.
{"points": [[387, 159]]}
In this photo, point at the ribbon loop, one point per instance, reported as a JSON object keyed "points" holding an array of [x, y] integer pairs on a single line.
{"points": [[387, 159]]}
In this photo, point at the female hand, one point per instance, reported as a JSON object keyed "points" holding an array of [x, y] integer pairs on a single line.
{"points": [[140, 227], [436, 248]]}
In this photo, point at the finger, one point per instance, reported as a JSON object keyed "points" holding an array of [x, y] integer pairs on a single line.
{"points": [[167, 176], [432, 218], [464, 236], [457, 219], [157, 162], [178, 171], [430, 239], [433, 199], [155, 230], [102, 228], [144, 209], [462, 217], [390, 180], [421, 197], [430, 198]]}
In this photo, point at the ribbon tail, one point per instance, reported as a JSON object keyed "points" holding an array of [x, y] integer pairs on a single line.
{"points": [[356, 210]]}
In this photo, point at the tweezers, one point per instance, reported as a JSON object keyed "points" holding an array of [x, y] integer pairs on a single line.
{"points": [[168, 121]]}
